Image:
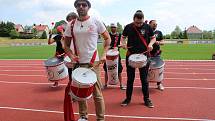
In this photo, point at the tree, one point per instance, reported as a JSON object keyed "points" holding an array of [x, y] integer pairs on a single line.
{"points": [[5, 28], [44, 35], [207, 34], [176, 33], [119, 27], [14, 34]]}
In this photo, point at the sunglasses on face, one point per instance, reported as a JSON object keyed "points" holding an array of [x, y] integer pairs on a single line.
{"points": [[81, 4]]}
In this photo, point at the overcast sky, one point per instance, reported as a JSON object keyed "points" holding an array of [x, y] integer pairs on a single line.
{"points": [[168, 13]]}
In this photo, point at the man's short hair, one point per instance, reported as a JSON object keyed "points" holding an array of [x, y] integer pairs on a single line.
{"points": [[72, 14], [138, 14], [87, 1]]}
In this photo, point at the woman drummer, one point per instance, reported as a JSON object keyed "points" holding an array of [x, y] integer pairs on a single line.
{"points": [[59, 53]]}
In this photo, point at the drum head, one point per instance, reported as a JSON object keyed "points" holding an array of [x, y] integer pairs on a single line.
{"points": [[138, 57], [84, 76], [53, 61], [156, 62], [112, 52]]}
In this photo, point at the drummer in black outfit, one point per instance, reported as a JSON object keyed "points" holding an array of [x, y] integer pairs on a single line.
{"points": [[156, 52], [135, 44], [59, 53], [115, 41]]}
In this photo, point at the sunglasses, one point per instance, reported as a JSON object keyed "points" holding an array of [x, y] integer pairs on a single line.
{"points": [[81, 4]]}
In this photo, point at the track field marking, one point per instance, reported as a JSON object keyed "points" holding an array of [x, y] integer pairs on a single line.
{"points": [[103, 77], [114, 86], [111, 116], [165, 72]]}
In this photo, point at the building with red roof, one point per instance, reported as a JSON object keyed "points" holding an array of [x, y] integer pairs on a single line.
{"points": [[194, 32]]}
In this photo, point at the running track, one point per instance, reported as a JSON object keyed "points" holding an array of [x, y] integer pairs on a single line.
{"points": [[26, 95]]}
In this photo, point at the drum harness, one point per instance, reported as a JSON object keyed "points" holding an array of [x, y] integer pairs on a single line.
{"points": [[144, 42]]}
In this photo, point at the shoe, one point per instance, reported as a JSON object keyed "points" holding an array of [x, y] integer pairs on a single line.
{"points": [[160, 87], [148, 103], [55, 85], [122, 87], [82, 119], [125, 102], [105, 86]]}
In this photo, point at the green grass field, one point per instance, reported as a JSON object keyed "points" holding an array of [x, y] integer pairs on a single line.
{"points": [[170, 52]]}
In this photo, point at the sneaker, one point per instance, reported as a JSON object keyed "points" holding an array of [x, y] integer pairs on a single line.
{"points": [[125, 102], [55, 84], [82, 119], [160, 87], [148, 103], [105, 86], [122, 87]]}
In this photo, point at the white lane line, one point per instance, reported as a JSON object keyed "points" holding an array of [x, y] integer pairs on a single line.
{"points": [[22, 75], [103, 77], [111, 116], [114, 86], [24, 70], [166, 72]]}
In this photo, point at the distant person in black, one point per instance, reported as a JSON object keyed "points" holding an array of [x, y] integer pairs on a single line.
{"points": [[115, 41], [133, 31], [59, 52], [156, 47]]}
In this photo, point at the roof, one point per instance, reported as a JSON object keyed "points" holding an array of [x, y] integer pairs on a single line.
{"points": [[194, 29], [17, 26], [41, 27]]}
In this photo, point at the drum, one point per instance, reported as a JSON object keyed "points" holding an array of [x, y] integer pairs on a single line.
{"points": [[82, 86], [156, 69], [112, 58], [137, 60], [56, 69], [68, 62]]}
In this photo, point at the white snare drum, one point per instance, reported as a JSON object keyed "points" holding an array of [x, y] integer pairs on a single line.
{"points": [[156, 69], [68, 62], [137, 60], [56, 69], [82, 86], [112, 59]]}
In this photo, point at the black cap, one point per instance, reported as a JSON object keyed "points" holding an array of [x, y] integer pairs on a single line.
{"points": [[88, 3]]}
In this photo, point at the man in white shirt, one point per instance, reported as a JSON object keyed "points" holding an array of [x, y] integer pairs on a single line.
{"points": [[86, 32]]}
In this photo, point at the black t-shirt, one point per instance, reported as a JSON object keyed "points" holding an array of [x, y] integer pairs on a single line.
{"points": [[115, 39], [59, 48], [135, 44], [159, 37]]}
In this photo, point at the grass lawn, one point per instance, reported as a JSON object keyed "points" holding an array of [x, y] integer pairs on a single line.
{"points": [[170, 52]]}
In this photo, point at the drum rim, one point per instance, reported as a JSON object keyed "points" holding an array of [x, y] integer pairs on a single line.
{"points": [[46, 65], [85, 84]]}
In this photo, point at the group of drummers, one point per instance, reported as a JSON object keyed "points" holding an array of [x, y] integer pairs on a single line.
{"points": [[77, 57]]}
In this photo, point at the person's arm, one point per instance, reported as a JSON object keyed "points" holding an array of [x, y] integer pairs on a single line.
{"points": [[50, 40], [123, 43], [106, 45], [152, 41], [66, 46]]}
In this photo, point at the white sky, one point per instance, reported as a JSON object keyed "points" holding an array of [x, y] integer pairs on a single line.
{"points": [[168, 13]]}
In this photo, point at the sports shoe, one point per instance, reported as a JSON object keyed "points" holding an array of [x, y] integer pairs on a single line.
{"points": [[160, 87], [105, 86], [122, 87], [148, 103], [82, 119], [55, 85], [125, 102]]}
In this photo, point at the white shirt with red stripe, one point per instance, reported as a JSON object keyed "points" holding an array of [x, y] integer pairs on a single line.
{"points": [[86, 34]]}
